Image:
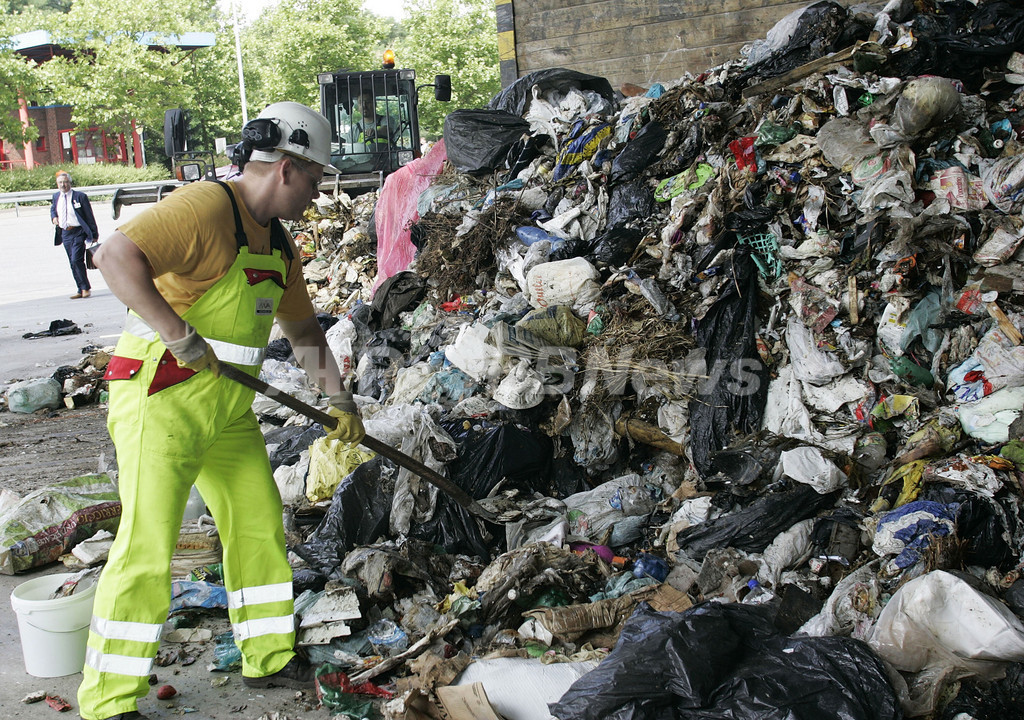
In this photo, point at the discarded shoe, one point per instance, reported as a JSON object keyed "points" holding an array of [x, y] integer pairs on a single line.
{"points": [[297, 674]]}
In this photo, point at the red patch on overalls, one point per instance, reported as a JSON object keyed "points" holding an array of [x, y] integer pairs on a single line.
{"points": [[122, 368], [255, 277], [168, 373]]}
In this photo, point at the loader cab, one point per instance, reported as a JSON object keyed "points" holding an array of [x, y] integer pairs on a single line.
{"points": [[374, 119]]}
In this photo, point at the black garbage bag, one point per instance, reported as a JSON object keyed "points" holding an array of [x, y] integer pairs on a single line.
{"points": [[1000, 699], [615, 246], [971, 37], [573, 247], [726, 662], [732, 400], [398, 293], [523, 153], [291, 440], [454, 529], [478, 141], [516, 97], [279, 349], [359, 514], [980, 525], [499, 452], [639, 152], [817, 31], [628, 202], [753, 528]]}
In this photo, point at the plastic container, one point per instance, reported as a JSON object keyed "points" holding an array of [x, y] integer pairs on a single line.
{"points": [[53, 632], [387, 638], [30, 395]]}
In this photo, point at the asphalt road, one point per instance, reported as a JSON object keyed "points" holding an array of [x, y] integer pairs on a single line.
{"points": [[35, 289]]}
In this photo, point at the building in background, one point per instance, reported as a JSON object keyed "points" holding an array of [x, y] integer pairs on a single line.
{"points": [[60, 142]]}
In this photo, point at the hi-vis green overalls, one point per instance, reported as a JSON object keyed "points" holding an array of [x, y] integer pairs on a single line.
{"points": [[173, 427]]}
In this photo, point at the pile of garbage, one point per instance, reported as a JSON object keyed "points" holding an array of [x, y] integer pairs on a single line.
{"points": [[732, 366]]}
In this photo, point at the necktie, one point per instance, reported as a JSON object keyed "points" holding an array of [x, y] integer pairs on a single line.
{"points": [[64, 219]]}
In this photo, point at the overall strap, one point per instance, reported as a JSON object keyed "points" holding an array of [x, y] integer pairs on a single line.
{"points": [[241, 240], [278, 237]]}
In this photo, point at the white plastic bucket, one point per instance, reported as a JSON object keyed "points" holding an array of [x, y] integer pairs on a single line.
{"points": [[53, 632]]}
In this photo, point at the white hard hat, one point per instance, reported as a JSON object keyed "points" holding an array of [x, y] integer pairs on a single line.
{"points": [[522, 388], [293, 128]]}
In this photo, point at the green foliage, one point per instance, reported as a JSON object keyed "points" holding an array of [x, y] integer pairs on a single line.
{"points": [[18, 79], [457, 38], [113, 78], [43, 177], [292, 42]]}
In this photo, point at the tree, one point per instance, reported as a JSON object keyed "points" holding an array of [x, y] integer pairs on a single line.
{"points": [[289, 44], [457, 38], [125, 65], [18, 81]]}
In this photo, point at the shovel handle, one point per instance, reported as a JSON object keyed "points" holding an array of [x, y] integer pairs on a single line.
{"points": [[396, 456]]}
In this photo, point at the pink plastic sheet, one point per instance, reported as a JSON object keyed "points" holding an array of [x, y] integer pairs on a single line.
{"points": [[396, 211]]}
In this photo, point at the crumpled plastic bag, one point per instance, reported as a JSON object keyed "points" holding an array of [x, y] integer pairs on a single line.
{"points": [[938, 629], [330, 462]]}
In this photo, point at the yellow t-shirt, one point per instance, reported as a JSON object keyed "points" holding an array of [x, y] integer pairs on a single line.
{"points": [[189, 240]]}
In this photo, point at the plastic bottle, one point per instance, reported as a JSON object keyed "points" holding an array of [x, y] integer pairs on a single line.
{"points": [[757, 594]]}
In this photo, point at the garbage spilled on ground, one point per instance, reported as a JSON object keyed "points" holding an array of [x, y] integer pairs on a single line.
{"points": [[736, 363]]}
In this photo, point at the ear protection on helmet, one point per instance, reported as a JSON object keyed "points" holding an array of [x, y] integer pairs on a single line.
{"points": [[264, 134]]}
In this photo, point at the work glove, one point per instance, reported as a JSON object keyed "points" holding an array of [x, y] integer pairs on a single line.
{"points": [[193, 352], [350, 427]]}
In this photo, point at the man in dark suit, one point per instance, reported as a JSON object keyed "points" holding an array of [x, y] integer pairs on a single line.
{"points": [[74, 226]]}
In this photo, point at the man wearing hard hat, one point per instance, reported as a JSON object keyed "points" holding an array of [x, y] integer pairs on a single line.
{"points": [[204, 274]]}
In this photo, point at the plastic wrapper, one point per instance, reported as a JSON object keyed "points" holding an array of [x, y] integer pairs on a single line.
{"points": [[910, 529], [478, 141], [287, 443], [726, 662], [923, 103], [1003, 181], [413, 431], [580, 145], [289, 379], [47, 523], [732, 400], [555, 325], [396, 210]]}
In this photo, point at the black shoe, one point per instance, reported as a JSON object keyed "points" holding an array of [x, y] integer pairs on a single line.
{"points": [[297, 674], [133, 715]]}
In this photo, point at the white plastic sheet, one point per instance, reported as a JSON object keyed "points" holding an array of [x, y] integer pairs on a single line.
{"points": [[939, 629]]}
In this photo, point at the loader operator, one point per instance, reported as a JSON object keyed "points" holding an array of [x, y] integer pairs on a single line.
{"points": [[204, 275]]}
